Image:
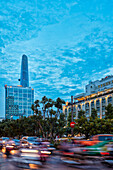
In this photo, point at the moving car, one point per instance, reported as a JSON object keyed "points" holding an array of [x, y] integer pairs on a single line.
{"points": [[99, 149]]}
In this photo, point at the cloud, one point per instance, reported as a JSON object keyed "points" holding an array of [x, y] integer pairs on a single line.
{"points": [[67, 43]]}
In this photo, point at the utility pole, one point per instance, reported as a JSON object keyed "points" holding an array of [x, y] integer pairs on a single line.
{"points": [[72, 108], [72, 113]]}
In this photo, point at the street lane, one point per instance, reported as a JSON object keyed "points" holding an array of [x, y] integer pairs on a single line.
{"points": [[53, 163]]}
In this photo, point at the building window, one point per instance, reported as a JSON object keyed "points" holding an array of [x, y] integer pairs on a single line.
{"points": [[15, 90], [20, 94], [98, 86], [109, 99], [10, 94], [11, 90], [92, 103], [98, 109], [69, 110], [97, 102], [103, 100], [24, 90], [20, 90], [24, 95]]}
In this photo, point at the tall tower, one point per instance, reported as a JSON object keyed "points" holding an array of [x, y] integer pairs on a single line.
{"points": [[24, 79], [19, 99]]}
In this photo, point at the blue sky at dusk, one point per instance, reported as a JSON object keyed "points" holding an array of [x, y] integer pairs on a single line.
{"points": [[68, 43]]}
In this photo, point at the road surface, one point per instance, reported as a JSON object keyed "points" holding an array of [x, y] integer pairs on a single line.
{"points": [[54, 163]]}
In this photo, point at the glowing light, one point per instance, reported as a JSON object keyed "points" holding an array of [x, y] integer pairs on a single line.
{"points": [[46, 152], [3, 150], [33, 166], [30, 155], [29, 150]]}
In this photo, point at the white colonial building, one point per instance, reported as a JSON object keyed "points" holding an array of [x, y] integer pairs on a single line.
{"points": [[98, 94]]}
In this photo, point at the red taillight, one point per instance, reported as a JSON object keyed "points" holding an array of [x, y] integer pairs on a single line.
{"points": [[104, 153], [84, 150]]}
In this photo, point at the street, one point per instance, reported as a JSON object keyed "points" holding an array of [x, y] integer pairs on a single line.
{"points": [[53, 162]]}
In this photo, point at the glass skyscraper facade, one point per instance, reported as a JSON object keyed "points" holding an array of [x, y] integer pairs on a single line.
{"points": [[19, 99], [24, 79]]}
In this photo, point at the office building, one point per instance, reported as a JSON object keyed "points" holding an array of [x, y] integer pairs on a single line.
{"points": [[24, 79], [98, 94], [19, 99]]}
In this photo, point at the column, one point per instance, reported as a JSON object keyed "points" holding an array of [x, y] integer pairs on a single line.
{"points": [[106, 98], [83, 106], [67, 112], [95, 104], [76, 111], [112, 99], [64, 109], [100, 108], [89, 108]]}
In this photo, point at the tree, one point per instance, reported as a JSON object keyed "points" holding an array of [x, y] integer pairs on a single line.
{"points": [[109, 111], [35, 106], [49, 105], [94, 113], [44, 101], [61, 124], [58, 104], [38, 116], [81, 113]]}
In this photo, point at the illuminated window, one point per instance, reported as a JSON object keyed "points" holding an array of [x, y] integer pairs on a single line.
{"points": [[107, 83], [104, 84], [101, 85], [98, 86]]}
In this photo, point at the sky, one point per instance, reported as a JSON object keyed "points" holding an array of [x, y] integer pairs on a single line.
{"points": [[68, 43]]}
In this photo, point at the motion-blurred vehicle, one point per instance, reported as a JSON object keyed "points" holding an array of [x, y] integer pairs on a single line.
{"points": [[51, 147], [95, 139], [8, 147], [96, 150], [29, 158], [24, 143], [16, 142], [3, 140], [31, 138], [1, 144], [108, 158], [33, 141]]}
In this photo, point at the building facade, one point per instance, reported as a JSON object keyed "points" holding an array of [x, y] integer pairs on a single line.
{"points": [[19, 99], [24, 79], [98, 95]]}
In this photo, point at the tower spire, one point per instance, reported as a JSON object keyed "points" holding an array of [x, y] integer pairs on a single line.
{"points": [[24, 80]]}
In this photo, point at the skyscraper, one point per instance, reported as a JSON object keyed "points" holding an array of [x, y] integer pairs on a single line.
{"points": [[24, 80], [19, 99]]}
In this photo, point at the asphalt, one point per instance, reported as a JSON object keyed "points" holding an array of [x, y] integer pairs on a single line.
{"points": [[53, 163]]}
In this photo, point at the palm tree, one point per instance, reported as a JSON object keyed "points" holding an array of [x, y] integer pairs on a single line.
{"points": [[35, 106], [58, 104], [49, 105], [44, 101], [38, 114]]}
